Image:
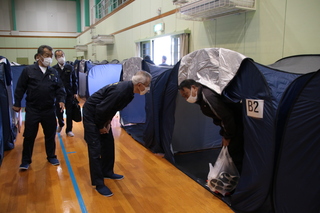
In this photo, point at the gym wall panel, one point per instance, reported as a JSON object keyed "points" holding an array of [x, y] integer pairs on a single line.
{"points": [[231, 32], [35, 15], [301, 32], [5, 9]]}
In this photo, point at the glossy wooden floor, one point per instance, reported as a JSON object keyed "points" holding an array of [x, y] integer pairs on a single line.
{"points": [[151, 183]]}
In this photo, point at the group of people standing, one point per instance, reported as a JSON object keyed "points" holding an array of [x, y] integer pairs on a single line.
{"points": [[50, 90]]}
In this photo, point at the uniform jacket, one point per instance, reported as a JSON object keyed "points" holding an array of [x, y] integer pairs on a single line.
{"points": [[103, 104], [41, 89], [212, 105], [69, 78]]}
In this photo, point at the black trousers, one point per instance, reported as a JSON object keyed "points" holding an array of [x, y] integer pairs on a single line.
{"points": [[236, 151], [47, 119], [68, 107], [236, 146], [101, 152]]}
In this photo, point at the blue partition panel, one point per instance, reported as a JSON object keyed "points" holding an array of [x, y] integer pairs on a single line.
{"points": [[16, 72], [102, 75]]}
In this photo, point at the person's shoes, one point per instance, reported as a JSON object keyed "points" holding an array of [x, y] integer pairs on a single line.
{"points": [[24, 166], [54, 161], [105, 191], [114, 177], [70, 134], [59, 129]]}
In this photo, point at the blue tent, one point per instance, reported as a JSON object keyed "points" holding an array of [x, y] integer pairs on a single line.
{"points": [[141, 117], [102, 75], [7, 115], [153, 119], [82, 68], [16, 72], [267, 98], [298, 139], [280, 108]]}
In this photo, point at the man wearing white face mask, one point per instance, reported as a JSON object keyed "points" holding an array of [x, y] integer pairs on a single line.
{"points": [[98, 112], [70, 82], [42, 86], [225, 115]]}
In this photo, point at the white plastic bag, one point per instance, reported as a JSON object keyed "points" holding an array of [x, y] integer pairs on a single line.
{"points": [[223, 177]]}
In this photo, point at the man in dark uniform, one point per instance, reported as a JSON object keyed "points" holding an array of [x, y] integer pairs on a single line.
{"points": [[226, 115], [98, 111], [42, 85], [70, 82]]}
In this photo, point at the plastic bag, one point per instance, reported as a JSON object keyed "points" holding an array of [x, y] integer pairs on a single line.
{"points": [[223, 177]]}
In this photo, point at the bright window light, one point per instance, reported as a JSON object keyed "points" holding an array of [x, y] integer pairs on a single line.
{"points": [[162, 46]]}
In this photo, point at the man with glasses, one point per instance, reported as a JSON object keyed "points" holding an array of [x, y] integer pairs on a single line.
{"points": [[98, 111]]}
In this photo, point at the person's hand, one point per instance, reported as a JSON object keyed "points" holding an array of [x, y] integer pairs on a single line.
{"points": [[75, 96], [61, 105], [16, 109], [106, 129], [225, 142]]}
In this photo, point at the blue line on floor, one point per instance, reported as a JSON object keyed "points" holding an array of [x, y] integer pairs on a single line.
{"points": [[73, 179], [70, 152]]}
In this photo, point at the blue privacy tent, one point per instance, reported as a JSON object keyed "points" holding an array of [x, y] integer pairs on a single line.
{"points": [[102, 75], [280, 108], [141, 118], [7, 115], [160, 112], [256, 85], [16, 72], [298, 139], [134, 113], [81, 68]]}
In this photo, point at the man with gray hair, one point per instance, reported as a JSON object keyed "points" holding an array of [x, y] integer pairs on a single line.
{"points": [[98, 111]]}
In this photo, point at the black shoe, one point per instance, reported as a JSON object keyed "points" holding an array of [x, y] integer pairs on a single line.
{"points": [[54, 161], [105, 191], [114, 177], [24, 166]]}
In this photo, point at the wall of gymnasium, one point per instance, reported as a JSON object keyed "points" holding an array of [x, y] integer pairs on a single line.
{"points": [[278, 28], [27, 24]]}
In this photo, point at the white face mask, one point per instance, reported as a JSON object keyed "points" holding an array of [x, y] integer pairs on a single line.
{"points": [[46, 61], [192, 99], [146, 89], [61, 60]]}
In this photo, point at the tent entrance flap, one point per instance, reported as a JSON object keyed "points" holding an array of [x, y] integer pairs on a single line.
{"points": [[193, 130]]}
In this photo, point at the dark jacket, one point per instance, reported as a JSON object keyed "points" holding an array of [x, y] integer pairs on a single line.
{"points": [[101, 106], [42, 89], [69, 78], [213, 106]]}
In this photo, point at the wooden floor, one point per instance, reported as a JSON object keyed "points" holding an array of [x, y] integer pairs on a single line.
{"points": [[151, 183]]}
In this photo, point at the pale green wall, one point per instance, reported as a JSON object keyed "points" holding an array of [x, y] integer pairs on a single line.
{"points": [[32, 16], [29, 47], [278, 28]]}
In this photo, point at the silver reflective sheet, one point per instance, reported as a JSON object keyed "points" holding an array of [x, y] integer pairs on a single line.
{"points": [[212, 67]]}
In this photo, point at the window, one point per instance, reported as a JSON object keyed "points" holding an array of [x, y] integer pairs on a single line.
{"points": [[104, 7], [145, 48], [158, 47]]}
